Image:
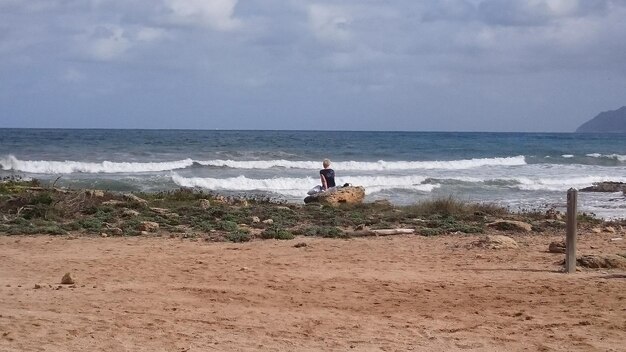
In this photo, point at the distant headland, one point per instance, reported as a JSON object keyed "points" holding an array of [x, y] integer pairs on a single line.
{"points": [[606, 122]]}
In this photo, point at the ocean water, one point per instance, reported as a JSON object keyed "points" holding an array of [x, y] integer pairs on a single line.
{"points": [[523, 171]]}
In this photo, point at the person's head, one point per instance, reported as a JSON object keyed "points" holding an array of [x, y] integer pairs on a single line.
{"points": [[326, 163]]}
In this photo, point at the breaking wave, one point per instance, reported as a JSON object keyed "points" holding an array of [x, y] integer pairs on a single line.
{"points": [[299, 186], [68, 167], [65, 167], [617, 157]]}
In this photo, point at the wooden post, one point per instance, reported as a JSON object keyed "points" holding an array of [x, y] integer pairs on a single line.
{"points": [[570, 241]]}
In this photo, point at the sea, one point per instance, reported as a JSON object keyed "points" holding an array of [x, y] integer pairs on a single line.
{"points": [[521, 171]]}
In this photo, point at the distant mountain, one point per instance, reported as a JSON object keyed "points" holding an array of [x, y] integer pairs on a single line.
{"points": [[606, 122]]}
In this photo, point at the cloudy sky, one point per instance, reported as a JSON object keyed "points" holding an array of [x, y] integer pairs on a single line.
{"points": [[424, 65]]}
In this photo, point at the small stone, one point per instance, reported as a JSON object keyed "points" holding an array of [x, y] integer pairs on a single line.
{"points": [[130, 213], [300, 245], [268, 221], [37, 286], [255, 219], [116, 231], [104, 235], [609, 229], [67, 279], [557, 247], [596, 230], [205, 204]]}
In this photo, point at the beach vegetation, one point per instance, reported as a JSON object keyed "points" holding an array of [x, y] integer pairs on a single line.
{"points": [[26, 207], [238, 237], [278, 233], [324, 231]]}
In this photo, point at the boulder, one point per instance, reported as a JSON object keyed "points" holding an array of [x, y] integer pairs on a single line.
{"points": [[95, 193], [511, 225], [148, 226], [343, 195], [133, 198], [607, 186], [495, 242]]}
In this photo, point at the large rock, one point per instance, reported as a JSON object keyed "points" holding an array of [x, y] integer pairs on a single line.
{"points": [[343, 195], [148, 226], [607, 186], [511, 225]]}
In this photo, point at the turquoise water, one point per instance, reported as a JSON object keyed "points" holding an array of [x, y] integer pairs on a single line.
{"points": [[519, 170]]}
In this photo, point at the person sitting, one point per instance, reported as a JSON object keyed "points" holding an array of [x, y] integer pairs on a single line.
{"points": [[327, 175]]}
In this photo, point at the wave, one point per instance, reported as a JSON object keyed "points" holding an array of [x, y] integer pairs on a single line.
{"points": [[293, 186], [617, 157], [67, 167], [380, 165], [556, 183]]}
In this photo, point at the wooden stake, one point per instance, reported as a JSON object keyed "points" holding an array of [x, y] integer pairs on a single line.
{"points": [[570, 241]]}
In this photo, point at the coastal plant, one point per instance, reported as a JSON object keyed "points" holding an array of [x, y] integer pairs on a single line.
{"points": [[91, 224], [277, 233], [229, 226], [325, 231], [431, 231], [202, 225], [130, 226], [238, 237]]}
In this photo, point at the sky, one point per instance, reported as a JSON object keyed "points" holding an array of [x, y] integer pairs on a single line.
{"points": [[407, 65]]}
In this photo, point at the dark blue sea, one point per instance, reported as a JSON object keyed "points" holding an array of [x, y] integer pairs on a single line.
{"points": [[528, 171]]}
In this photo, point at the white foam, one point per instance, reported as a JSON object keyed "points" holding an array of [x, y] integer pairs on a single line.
{"points": [[567, 156], [67, 167], [293, 186], [618, 157], [561, 183], [380, 165]]}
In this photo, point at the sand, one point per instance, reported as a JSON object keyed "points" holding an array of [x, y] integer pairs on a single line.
{"points": [[397, 293]]}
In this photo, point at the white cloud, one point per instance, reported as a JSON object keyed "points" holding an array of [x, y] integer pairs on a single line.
{"points": [[217, 14], [108, 42], [329, 24]]}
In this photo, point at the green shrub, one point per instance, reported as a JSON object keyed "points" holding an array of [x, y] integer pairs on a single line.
{"points": [[325, 231], [238, 237], [277, 233], [92, 224], [229, 226], [432, 232]]}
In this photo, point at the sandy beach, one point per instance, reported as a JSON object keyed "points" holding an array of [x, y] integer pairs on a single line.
{"points": [[394, 293]]}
